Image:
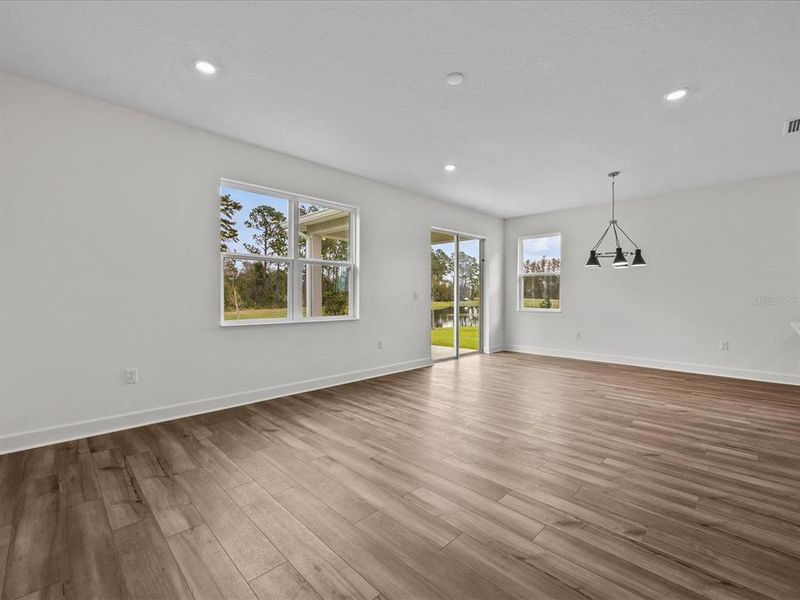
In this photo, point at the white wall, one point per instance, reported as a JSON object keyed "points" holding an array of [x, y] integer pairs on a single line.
{"points": [[710, 251], [109, 260]]}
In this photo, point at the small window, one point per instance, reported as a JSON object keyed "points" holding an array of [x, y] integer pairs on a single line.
{"points": [[285, 258], [539, 273]]}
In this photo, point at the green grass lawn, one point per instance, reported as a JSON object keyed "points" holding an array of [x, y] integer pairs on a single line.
{"points": [[537, 303], [444, 337], [255, 313], [439, 305]]}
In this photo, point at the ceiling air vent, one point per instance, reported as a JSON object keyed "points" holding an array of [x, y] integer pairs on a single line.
{"points": [[792, 126]]}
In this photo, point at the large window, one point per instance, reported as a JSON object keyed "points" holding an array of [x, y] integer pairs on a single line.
{"points": [[285, 258], [539, 273]]}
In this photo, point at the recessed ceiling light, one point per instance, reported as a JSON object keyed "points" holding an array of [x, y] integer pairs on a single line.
{"points": [[454, 79], [449, 168], [676, 94], [205, 67]]}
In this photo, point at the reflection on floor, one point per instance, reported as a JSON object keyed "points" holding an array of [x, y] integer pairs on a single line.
{"points": [[440, 352]]}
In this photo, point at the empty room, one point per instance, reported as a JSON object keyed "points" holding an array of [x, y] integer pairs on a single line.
{"points": [[399, 300]]}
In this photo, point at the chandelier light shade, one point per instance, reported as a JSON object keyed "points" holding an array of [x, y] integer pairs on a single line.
{"points": [[620, 262], [638, 261], [593, 263], [619, 255]]}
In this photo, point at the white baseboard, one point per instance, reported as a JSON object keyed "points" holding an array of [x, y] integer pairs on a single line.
{"points": [[493, 349], [71, 431], [651, 363]]}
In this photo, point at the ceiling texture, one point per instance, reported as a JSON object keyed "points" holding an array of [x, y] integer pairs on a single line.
{"points": [[556, 95]]}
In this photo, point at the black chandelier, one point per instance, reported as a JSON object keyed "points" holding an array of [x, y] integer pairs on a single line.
{"points": [[620, 262]]}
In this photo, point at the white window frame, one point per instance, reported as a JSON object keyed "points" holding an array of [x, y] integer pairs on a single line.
{"points": [[294, 261], [520, 275]]}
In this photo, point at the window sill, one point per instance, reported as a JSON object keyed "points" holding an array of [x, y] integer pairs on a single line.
{"points": [[539, 310], [245, 322]]}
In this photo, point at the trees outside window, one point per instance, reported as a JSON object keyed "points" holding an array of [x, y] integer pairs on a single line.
{"points": [[270, 236], [228, 207], [442, 274]]}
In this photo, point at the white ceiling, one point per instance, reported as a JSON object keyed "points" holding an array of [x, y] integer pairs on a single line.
{"points": [[556, 94]]}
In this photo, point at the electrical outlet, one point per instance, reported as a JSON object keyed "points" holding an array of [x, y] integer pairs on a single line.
{"points": [[724, 345], [380, 344], [131, 376], [578, 335], [415, 296]]}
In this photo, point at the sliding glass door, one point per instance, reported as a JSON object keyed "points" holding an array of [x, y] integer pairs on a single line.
{"points": [[456, 294]]}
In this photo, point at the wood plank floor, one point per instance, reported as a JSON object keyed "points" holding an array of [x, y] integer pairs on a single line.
{"points": [[495, 477]]}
